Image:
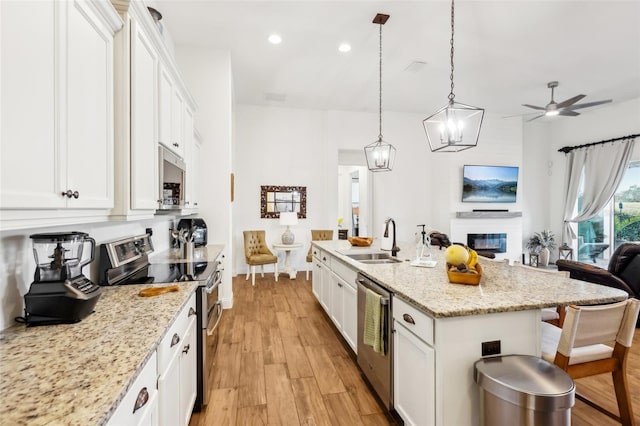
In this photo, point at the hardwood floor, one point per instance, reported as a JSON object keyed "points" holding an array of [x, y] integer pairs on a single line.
{"points": [[281, 362]]}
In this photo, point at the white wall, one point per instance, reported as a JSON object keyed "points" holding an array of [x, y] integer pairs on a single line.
{"points": [[281, 146], [207, 74]]}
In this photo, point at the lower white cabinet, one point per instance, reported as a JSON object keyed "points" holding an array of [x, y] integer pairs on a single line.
{"points": [[413, 365], [333, 284], [139, 407], [177, 369]]}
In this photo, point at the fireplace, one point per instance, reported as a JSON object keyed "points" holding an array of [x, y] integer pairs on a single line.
{"points": [[492, 243]]}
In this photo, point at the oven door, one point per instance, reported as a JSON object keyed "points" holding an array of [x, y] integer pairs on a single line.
{"points": [[210, 335]]}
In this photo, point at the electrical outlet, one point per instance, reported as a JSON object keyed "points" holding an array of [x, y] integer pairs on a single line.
{"points": [[149, 231], [491, 348]]}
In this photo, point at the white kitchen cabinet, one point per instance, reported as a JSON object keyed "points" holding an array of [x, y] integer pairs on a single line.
{"points": [[171, 111], [188, 373], [192, 158], [350, 317], [145, 78], [57, 109], [413, 365], [177, 369], [139, 407], [144, 152], [333, 284], [177, 123]]}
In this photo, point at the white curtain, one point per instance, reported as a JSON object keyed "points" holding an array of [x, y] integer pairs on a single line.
{"points": [[604, 166]]}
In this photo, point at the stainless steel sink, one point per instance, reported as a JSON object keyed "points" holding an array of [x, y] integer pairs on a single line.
{"points": [[374, 258]]}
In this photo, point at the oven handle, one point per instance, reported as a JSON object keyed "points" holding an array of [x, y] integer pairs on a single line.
{"points": [[210, 330]]}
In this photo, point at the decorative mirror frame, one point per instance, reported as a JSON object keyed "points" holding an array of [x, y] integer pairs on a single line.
{"points": [[271, 213]]}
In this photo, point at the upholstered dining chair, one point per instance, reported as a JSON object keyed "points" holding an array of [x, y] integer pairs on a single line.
{"points": [[582, 347], [257, 253], [318, 235]]}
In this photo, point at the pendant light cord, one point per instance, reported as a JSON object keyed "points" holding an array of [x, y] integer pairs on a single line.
{"points": [[451, 95], [380, 88]]}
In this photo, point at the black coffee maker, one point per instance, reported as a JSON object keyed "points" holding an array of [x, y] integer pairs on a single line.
{"points": [[60, 293]]}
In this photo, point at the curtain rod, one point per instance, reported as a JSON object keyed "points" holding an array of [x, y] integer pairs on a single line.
{"points": [[568, 149]]}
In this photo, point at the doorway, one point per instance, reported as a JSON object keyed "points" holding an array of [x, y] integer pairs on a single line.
{"points": [[354, 193]]}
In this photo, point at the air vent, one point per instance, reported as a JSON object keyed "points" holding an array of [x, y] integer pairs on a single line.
{"points": [[276, 97]]}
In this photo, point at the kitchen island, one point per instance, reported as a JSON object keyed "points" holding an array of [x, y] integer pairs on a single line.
{"points": [[77, 374], [459, 318]]}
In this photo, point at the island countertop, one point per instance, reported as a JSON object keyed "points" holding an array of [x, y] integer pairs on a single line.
{"points": [[502, 287], [76, 374]]}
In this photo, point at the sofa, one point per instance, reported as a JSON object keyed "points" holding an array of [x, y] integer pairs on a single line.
{"points": [[622, 273]]}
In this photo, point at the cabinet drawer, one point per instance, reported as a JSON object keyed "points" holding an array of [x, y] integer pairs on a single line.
{"points": [[145, 382], [325, 258], [316, 252], [171, 344], [419, 323], [344, 271]]}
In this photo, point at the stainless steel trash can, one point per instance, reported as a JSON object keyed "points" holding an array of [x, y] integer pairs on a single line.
{"points": [[523, 390]]}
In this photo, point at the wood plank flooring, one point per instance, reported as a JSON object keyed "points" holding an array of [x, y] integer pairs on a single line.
{"points": [[281, 362]]}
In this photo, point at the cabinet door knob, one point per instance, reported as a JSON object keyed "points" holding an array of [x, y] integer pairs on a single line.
{"points": [[141, 400], [174, 340], [408, 318], [192, 312], [340, 285], [76, 194], [186, 349]]}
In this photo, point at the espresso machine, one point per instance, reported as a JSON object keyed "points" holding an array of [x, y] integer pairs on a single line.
{"points": [[60, 293]]}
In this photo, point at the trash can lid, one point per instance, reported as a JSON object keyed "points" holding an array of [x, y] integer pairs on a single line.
{"points": [[527, 381]]}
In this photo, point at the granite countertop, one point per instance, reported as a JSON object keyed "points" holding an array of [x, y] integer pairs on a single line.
{"points": [[76, 374], [502, 287]]}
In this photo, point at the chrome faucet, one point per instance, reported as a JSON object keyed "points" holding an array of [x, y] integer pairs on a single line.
{"points": [[394, 248]]}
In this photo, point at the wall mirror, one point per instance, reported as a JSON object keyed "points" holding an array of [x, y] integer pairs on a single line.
{"points": [[276, 199]]}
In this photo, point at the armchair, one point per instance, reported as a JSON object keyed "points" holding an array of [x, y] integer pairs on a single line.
{"points": [[257, 253], [623, 272]]}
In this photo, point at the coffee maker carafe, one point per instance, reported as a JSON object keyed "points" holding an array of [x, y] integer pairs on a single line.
{"points": [[60, 293]]}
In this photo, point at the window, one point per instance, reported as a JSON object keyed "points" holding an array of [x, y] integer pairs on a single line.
{"points": [[618, 222]]}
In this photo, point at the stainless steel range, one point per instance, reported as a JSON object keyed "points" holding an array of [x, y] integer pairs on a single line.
{"points": [[126, 261]]}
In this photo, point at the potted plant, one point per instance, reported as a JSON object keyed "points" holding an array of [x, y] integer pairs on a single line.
{"points": [[542, 242]]}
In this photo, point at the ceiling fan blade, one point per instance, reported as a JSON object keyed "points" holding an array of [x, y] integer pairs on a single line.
{"points": [[568, 112], [570, 101], [534, 107], [588, 104], [536, 117]]}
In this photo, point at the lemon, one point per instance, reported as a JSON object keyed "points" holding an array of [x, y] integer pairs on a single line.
{"points": [[455, 255]]}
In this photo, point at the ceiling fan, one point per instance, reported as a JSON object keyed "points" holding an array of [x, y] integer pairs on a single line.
{"points": [[566, 107]]}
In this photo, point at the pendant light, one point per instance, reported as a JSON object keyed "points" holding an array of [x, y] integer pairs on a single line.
{"points": [[454, 127], [380, 155]]}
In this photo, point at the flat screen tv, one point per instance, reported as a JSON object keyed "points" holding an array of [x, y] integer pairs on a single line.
{"points": [[489, 184]]}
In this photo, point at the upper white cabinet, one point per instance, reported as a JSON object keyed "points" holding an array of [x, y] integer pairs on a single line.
{"points": [[149, 94], [56, 122], [144, 152], [171, 114]]}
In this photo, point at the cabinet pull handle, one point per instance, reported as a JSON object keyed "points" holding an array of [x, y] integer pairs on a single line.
{"points": [[340, 285], [186, 349], [324, 259], [174, 340], [141, 400], [192, 312], [408, 318]]}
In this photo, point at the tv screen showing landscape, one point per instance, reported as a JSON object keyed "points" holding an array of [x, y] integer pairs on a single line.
{"points": [[489, 184]]}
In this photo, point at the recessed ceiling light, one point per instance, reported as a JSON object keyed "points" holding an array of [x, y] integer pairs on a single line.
{"points": [[275, 39], [344, 47]]}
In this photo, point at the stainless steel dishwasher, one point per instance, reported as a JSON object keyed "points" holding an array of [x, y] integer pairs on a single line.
{"points": [[376, 367]]}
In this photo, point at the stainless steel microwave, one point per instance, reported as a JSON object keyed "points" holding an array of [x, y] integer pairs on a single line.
{"points": [[172, 172]]}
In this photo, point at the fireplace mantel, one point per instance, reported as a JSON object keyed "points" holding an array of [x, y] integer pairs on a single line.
{"points": [[487, 215]]}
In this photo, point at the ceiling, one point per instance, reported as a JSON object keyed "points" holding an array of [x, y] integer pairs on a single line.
{"points": [[505, 51]]}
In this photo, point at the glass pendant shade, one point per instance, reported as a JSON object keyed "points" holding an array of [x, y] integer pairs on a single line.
{"points": [[380, 156], [454, 127]]}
